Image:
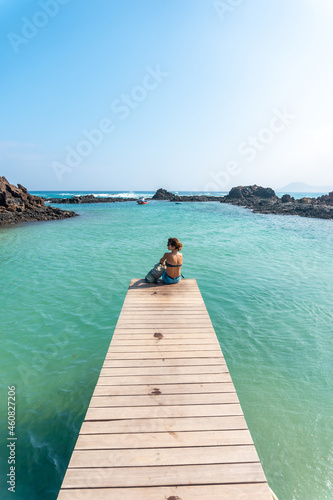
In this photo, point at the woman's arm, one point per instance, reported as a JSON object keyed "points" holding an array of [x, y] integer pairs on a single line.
{"points": [[163, 259]]}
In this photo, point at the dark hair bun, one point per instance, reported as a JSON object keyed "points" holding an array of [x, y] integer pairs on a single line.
{"points": [[174, 242]]}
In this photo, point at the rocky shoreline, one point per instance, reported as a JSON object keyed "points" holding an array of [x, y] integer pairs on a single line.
{"points": [[87, 198], [265, 201], [256, 198], [18, 205], [163, 194]]}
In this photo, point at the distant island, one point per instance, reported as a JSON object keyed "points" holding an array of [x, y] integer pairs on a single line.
{"points": [[17, 205], [302, 187]]}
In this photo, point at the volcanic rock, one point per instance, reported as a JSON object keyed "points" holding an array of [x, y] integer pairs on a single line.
{"points": [[286, 198], [326, 198], [250, 192], [163, 194], [18, 205], [88, 198], [306, 200], [264, 201]]}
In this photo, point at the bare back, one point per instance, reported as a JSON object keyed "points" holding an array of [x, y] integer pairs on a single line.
{"points": [[174, 259]]}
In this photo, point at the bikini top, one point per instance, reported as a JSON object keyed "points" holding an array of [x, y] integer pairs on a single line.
{"points": [[173, 265]]}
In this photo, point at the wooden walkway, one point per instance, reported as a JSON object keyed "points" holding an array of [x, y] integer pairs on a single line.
{"points": [[164, 422]]}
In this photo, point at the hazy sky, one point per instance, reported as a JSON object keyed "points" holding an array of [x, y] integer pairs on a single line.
{"points": [[181, 94]]}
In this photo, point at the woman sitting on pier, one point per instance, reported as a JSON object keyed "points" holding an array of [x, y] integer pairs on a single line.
{"points": [[172, 262]]}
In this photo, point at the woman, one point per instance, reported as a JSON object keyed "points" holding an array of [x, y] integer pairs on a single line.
{"points": [[172, 262]]}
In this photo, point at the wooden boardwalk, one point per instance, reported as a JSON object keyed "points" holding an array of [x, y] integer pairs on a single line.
{"points": [[164, 422]]}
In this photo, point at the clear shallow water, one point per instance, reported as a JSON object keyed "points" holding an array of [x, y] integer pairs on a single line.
{"points": [[267, 283]]}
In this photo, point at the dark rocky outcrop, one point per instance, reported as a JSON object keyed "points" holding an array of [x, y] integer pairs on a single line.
{"points": [[18, 205], [88, 198], [286, 198], [17, 199], [250, 192], [264, 200], [163, 194], [326, 198]]}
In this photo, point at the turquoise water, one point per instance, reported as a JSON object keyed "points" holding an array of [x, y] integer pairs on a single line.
{"points": [[267, 283]]}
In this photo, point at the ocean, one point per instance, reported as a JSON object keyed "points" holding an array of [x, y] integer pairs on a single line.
{"points": [[267, 282]]}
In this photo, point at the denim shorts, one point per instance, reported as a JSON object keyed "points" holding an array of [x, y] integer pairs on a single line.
{"points": [[169, 281]]}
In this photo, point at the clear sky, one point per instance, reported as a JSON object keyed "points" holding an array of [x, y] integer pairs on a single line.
{"points": [[181, 94]]}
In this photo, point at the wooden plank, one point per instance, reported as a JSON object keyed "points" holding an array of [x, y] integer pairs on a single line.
{"points": [[165, 330], [175, 329], [163, 399], [180, 309], [146, 425], [165, 456], [168, 301], [162, 291], [138, 319], [172, 323], [155, 313], [164, 421], [161, 302], [163, 440], [162, 294], [139, 297], [160, 343], [170, 311], [162, 370], [164, 475], [161, 347], [241, 491], [186, 337], [144, 389], [165, 379], [161, 355], [172, 314], [123, 363], [163, 411], [208, 328]]}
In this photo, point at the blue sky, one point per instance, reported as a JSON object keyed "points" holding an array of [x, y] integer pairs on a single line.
{"points": [[186, 94]]}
